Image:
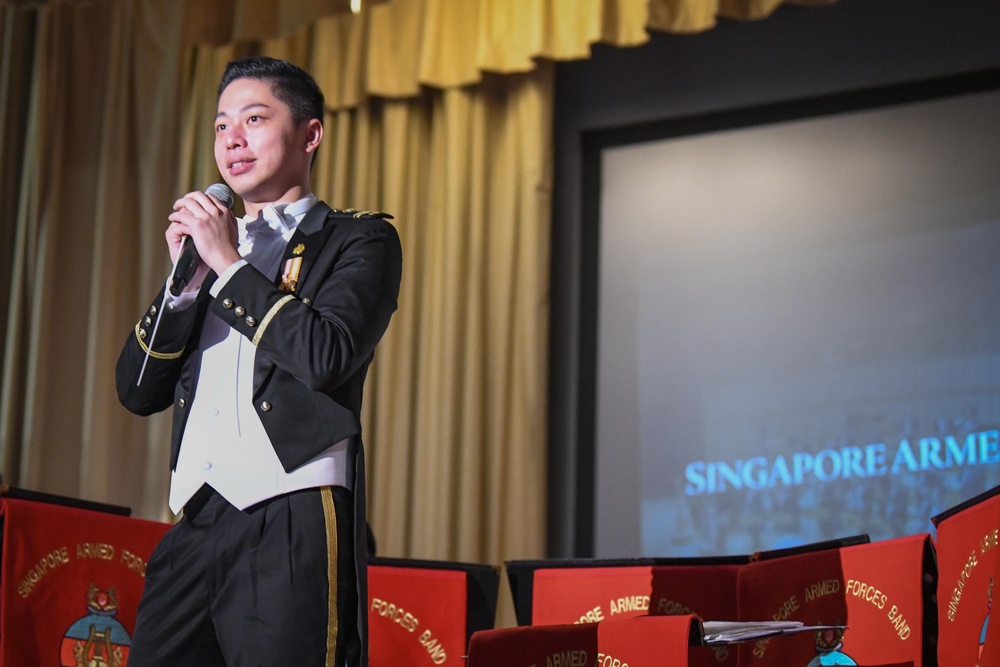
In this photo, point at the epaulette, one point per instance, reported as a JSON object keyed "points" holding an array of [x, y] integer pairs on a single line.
{"points": [[368, 215]]}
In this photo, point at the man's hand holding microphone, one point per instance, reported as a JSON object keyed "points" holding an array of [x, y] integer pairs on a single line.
{"points": [[202, 236]]}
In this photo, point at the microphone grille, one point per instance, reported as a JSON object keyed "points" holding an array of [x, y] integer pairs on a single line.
{"points": [[223, 193]]}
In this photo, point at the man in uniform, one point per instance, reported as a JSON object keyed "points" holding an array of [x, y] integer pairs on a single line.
{"points": [[263, 356]]}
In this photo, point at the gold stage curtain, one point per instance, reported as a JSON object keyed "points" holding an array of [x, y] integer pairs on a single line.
{"points": [[440, 112], [396, 48]]}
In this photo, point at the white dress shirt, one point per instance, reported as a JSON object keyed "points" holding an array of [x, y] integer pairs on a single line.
{"points": [[224, 443]]}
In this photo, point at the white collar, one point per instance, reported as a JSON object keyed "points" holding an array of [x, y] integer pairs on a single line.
{"points": [[283, 217]]}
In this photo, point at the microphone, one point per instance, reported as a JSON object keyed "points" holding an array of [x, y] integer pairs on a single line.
{"points": [[188, 258]]}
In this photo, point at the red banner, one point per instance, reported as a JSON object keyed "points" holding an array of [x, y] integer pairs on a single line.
{"points": [[969, 574], [648, 641], [875, 589], [590, 594], [645, 641], [70, 584], [707, 591], [536, 645], [416, 616]]}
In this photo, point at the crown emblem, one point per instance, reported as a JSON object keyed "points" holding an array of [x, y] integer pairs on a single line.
{"points": [[829, 639], [102, 602]]}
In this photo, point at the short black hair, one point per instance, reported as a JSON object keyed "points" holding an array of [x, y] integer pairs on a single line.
{"points": [[290, 83]]}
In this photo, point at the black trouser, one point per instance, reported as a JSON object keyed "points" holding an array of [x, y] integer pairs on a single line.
{"points": [[270, 585]]}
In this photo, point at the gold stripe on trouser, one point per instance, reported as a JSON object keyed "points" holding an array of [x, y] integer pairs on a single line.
{"points": [[330, 517]]}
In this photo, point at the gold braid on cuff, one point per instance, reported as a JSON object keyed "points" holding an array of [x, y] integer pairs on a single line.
{"points": [[270, 316], [155, 355]]}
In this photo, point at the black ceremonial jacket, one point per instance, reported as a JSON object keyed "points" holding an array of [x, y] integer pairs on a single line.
{"points": [[314, 344]]}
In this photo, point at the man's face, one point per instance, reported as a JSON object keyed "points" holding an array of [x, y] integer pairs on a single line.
{"points": [[261, 152]]}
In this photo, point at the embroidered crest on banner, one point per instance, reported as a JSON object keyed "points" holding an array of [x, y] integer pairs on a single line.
{"points": [[97, 639], [828, 645]]}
